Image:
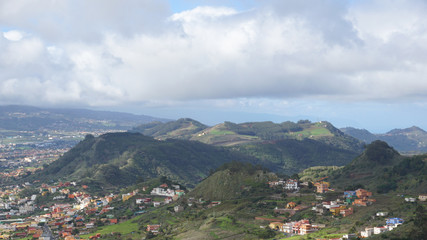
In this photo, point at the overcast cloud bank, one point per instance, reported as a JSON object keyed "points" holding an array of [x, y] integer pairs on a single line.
{"points": [[112, 53]]}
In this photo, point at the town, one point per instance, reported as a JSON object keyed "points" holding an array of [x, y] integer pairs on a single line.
{"points": [[68, 211], [24, 152]]}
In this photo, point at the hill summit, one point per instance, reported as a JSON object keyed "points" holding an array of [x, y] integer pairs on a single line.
{"points": [[382, 169], [234, 180], [378, 152]]}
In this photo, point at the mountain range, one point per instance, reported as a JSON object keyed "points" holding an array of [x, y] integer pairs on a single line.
{"points": [[411, 140], [15, 118], [286, 147]]}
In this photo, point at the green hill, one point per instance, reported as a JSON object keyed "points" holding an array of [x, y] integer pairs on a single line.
{"points": [[286, 147], [230, 134], [382, 169], [119, 159], [182, 128], [234, 180], [292, 156]]}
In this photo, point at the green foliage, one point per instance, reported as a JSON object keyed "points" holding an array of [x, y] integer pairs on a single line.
{"points": [[119, 159], [354, 187], [287, 147], [182, 128], [264, 233], [28, 192], [380, 152], [233, 181], [235, 166], [290, 156], [409, 165], [380, 168], [230, 133], [387, 187], [317, 172], [420, 223]]}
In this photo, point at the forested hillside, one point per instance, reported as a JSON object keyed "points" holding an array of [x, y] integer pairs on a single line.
{"points": [[119, 159]]}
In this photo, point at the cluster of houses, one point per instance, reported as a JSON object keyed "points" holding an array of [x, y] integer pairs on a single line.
{"points": [[301, 227], [391, 224], [12, 205], [290, 184], [164, 190], [67, 219], [421, 197], [337, 207], [80, 215], [360, 197]]}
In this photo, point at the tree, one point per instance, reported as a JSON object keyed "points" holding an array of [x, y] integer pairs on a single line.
{"points": [[149, 235], [420, 223], [75, 231], [266, 233]]}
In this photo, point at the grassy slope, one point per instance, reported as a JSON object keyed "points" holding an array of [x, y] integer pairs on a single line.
{"points": [[286, 147], [124, 228]]}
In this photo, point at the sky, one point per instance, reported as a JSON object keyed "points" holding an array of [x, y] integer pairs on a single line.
{"points": [[352, 63]]}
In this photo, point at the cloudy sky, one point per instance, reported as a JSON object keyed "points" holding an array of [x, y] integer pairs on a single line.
{"points": [[353, 63]]}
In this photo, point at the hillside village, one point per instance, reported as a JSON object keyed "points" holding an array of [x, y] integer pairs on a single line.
{"points": [[117, 186], [71, 211], [291, 208], [345, 206]]}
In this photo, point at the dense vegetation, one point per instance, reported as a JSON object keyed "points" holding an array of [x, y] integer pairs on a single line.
{"points": [[118, 159], [381, 169], [290, 156], [286, 147], [234, 180]]}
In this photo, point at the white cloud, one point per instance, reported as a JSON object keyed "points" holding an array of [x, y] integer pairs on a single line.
{"points": [[13, 35], [115, 52]]}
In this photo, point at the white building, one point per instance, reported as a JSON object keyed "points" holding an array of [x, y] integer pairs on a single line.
{"points": [[163, 192], [378, 230], [382, 214], [367, 233], [291, 184]]}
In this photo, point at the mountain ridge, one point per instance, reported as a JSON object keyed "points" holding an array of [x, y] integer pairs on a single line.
{"points": [[287, 147], [412, 140]]}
